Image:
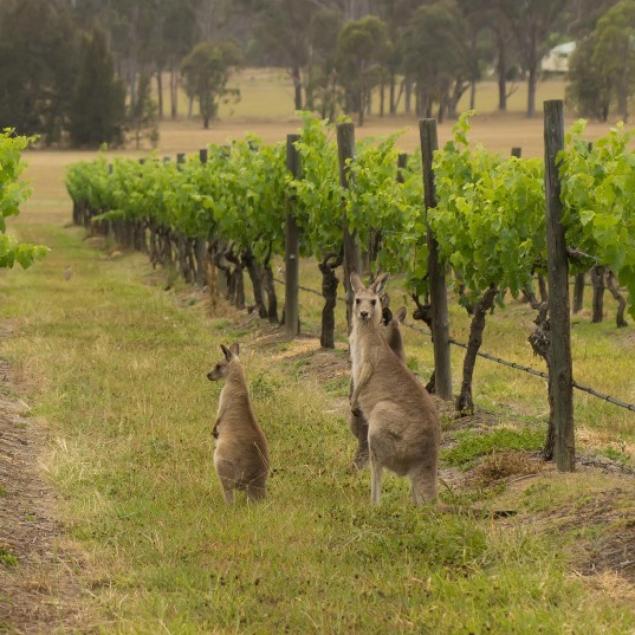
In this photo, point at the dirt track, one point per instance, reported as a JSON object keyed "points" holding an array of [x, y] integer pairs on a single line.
{"points": [[39, 587]]}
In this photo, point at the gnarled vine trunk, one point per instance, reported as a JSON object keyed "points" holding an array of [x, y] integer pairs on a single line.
{"points": [[329, 292], [578, 293], [255, 275], [540, 341], [270, 290], [464, 402], [614, 289], [597, 280]]}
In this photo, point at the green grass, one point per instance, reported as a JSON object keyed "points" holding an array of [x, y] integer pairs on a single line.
{"points": [[472, 445], [117, 366], [7, 558]]}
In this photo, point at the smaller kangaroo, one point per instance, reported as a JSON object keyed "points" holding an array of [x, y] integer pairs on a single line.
{"points": [[393, 333], [241, 456], [403, 426]]}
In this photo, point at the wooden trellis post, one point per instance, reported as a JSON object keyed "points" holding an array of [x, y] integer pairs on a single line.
{"points": [[561, 379], [292, 249], [436, 271], [352, 258]]}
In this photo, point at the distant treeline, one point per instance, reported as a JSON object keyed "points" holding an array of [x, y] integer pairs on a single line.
{"points": [[84, 70]]}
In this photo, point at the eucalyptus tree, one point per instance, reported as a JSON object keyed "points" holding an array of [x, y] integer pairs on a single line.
{"points": [[363, 48]]}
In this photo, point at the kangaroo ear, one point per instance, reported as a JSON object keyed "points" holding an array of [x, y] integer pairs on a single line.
{"points": [[226, 352], [356, 282], [235, 348], [380, 282], [401, 314]]}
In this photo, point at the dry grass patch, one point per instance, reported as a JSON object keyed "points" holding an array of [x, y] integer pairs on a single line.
{"points": [[498, 466]]}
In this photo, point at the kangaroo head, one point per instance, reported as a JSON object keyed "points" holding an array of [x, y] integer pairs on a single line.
{"points": [[367, 308], [220, 370]]}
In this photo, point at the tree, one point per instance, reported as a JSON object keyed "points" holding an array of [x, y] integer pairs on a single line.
{"points": [[321, 84], [142, 116], [362, 50], [37, 66], [602, 69], [206, 71], [433, 50], [532, 21], [589, 89], [614, 51], [98, 106]]}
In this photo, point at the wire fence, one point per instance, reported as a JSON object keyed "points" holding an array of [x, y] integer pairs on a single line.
{"points": [[499, 360]]}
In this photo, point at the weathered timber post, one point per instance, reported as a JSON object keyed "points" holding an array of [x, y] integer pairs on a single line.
{"points": [[517, 152], [436, 270], [200, 247], [292, 248], [352, 259], [561, 379]]}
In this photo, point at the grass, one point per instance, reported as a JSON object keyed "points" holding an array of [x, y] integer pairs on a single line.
{"points": [[117, 366], [472, 445], [7, 558]]}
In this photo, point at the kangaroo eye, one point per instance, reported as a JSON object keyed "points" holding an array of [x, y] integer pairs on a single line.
{"points": [[358, 301], [373, 302]]}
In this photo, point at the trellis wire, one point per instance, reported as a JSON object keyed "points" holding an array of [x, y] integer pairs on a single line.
{"points": [[503, 362]]}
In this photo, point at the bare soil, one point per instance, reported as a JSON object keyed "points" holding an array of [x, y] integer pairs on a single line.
{"points": [[40, 591]]}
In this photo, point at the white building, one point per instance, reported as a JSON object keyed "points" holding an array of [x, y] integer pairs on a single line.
{"points": [[557, 60]]}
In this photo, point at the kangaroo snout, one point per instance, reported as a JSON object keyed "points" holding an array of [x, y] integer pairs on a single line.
{"points": [[363, 315]]}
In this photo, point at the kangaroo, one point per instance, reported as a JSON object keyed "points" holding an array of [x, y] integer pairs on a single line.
{"points": [[403, 426], [358, 423], [241, 457]]}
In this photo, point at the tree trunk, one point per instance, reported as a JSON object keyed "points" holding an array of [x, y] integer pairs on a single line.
{"points": [[382, 98], [464, 402], [501, 71], [408, 95], [329, 292], [532, 80], [174, 94], [297, 86], [578, 293], [614, 289], [391, 97], [472, 94], [597, 280], [160, 92]]}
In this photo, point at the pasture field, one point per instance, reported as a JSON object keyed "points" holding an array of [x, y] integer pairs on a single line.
{"points": [[267, 94], [114, 367]]}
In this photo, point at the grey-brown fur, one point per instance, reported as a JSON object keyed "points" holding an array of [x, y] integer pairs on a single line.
{"points": [[241, 456], [358, 423], [403, 426]]}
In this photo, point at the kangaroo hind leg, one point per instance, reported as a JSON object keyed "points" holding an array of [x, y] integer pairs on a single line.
{"points": [[375, 479], [423, 482]]}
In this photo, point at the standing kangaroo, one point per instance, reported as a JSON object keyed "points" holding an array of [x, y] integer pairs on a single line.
{"points": [[358, 423], [241, 457], [403, 427]]}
